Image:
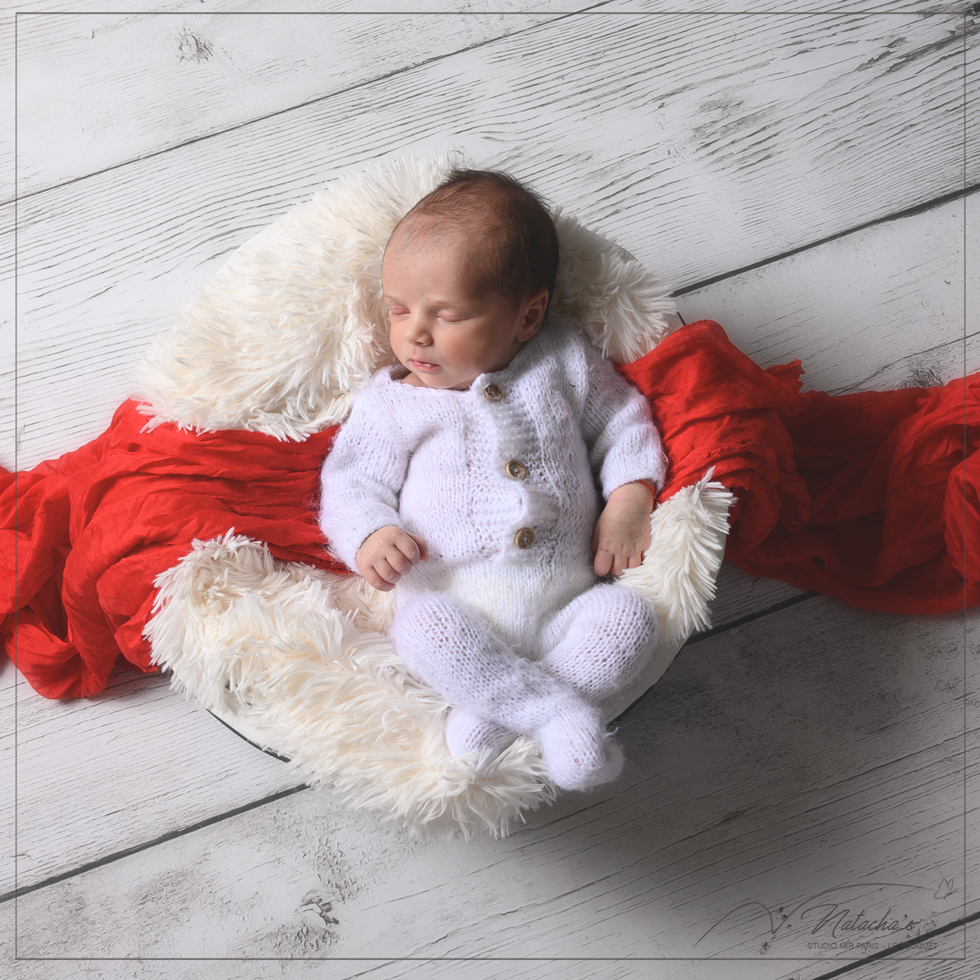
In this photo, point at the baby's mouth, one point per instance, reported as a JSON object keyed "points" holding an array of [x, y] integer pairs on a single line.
{"points": [[423, 365]]}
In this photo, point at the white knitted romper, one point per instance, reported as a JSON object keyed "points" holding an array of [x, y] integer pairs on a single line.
{"points": [[507, 619]]}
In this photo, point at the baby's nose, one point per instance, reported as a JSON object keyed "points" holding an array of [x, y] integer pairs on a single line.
{"points": [[418, 332]]}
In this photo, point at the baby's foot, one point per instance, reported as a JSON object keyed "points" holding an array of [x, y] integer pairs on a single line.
{"points": [[577, 751], [466, 732]]}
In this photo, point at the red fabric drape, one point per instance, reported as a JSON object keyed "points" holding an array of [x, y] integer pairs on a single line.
{"points": [[871, 497], [95, 527]]}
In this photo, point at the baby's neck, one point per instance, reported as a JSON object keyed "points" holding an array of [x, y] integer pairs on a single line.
{"points": [[413, 380], [409, 378]]}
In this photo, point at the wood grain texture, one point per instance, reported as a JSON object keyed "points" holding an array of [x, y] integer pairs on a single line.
{"points": [[963, 953], [849, 307], [201, 75], [48, 38], [333, 969], [885, 307], [115, 88], [8, 337], [104, 262], [74, 750], [858, 746], [100, 775], [740, 595]]}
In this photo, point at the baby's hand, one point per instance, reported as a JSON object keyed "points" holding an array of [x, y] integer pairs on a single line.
{"points": [[622, 533], [389, 553]]}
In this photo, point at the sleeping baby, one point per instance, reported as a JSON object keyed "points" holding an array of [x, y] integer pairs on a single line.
{"points": [[469, 475]]}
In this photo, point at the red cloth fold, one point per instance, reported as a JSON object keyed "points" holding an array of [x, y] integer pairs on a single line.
{"points": [[94, 529], [871, 497]]}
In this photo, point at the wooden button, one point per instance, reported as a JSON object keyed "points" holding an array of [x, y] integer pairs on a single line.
{"points": [[492, 393], [515, 470], [524, 538]]}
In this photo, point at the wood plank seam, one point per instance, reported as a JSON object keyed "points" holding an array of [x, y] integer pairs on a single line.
{"points": [[910, 212], [769, 610], [17, 892], [376, 79]]}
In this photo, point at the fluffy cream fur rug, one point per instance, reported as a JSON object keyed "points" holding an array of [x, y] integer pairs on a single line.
{"points": [[297, 659]]}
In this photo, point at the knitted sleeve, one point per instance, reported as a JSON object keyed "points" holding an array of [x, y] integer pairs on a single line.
{"points": [[624, 444], [362, 476]]}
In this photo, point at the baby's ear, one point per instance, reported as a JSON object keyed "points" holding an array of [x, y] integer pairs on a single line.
{"points": [[533, 312]]}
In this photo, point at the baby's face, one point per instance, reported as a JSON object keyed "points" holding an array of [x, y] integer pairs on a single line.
{"points": [[446, 330]]}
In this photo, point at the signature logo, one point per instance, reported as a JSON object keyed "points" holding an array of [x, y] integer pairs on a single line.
{"points": [[830, 915]]}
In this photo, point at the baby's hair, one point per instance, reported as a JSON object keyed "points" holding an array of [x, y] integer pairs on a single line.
{"points": [[519, 253]]}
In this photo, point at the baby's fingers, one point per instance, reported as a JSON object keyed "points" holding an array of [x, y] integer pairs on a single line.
{"points": [[616, 562], [399, 560], [421, 545], [603, 562], [387, 574], [409, 550], [374, 579]]}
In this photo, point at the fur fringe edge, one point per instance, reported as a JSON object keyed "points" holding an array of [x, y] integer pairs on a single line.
{"points": [[687, 545]]}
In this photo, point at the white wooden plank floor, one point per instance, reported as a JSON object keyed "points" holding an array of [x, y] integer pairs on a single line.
{"points": [[799, 175]]}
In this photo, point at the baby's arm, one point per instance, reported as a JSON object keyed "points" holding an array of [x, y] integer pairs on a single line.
{"points": [[624, 446], [622, 533], [361, 479], [389, 553]]}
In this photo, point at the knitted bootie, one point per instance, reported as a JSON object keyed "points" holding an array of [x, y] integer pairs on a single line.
{"points": [[467, 732], [577, 750]]}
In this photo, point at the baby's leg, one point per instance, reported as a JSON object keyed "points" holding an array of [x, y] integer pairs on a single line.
{"points": [[467, 732], [453, 650], [601, 640]]}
